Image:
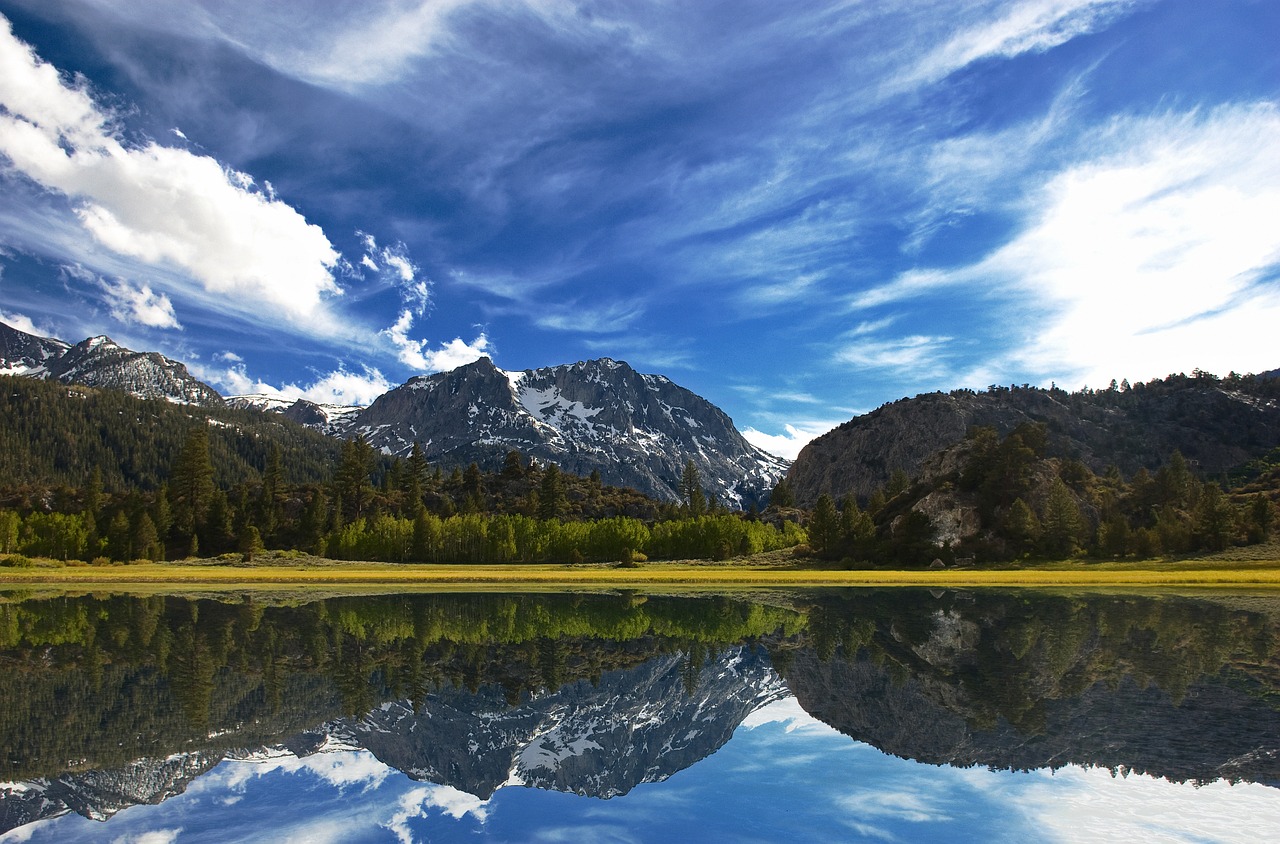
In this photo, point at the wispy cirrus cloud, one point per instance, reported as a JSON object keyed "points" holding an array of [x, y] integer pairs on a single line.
{"points": [[1031, 26], [1150, 252]]}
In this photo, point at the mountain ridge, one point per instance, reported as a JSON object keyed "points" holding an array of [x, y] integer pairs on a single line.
{"points": [[598, 416]]}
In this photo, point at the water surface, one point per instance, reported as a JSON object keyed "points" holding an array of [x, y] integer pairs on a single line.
{"points": [[835, 715]]}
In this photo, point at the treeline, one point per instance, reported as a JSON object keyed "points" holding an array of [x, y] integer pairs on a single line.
{"points": [[378, 509], [1006, 500]]}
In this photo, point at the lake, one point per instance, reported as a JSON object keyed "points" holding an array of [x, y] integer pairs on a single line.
{"points": [[833, 715]]}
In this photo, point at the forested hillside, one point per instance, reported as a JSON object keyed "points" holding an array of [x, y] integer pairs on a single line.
{"points": [[1217, 424], [87, 474]]}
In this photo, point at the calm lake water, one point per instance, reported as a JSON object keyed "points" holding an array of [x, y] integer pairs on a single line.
{"points": [[841, 715]]}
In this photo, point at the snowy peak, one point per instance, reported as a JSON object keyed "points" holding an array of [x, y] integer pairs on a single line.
{"points": [[101, 362], [27, 354], [636, 430], [331, 419]]}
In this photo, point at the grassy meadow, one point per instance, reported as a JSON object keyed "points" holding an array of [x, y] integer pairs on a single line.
{"points": [[778, 569]]}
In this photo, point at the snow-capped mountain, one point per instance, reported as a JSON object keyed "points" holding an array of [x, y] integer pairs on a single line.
{"points": [[332, 419], [637, 725], [27, 354], [640, 724], [601, 415], [100, 362], [636, 430], [98, 795]]}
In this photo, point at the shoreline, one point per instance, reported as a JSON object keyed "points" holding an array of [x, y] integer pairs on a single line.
{"points": [[1259, 575]]}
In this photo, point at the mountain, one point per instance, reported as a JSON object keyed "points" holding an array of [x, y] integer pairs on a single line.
{"points": [[27, 354], [635, 725], [636, 430], [1217, 424], [600, 739], [100, 362], [334, 420], [1022, 683]]}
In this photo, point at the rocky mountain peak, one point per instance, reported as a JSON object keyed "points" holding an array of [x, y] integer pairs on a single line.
{"points": [[101, 362], [636, 430], [27, 354]]}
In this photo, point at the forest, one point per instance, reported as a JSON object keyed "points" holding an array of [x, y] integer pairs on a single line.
{"points": [[97, 476]]}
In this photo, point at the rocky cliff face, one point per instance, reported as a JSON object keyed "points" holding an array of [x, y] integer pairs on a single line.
{"points": [[27, 354], [1217, 425], [100, 794], [100, 362], [636, 430]]}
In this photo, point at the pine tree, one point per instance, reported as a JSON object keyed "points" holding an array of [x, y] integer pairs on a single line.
{"points": [[411, 481], [351, 480], [250, 543], [1061, 522], [192, 484], [691, 490], [146, 541], [782, 495], [118, 537], [551, 493], [824, 528]]}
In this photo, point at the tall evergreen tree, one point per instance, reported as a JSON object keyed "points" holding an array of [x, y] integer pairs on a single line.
{"points": [[824, 528], [691, 489], [191, 484], [551, 493]]}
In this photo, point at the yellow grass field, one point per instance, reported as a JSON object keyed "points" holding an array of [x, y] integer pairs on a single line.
{"points": [[222, 574]]}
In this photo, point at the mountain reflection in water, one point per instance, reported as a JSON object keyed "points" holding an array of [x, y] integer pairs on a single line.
{"points": [[437, 704]]}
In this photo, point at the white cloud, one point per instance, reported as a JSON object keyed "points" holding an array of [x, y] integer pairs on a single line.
{"points": [[160, 205], [445, 798], [909, 285], [1151, 255], [605, 319], [786, 445], [394, 260], [457, 353], [917, 354], [1091, 804], [155, 836], [418, 355], [339, 387], [141, 304], [23, 323], [901, 805], [1032, 26], [790, 713]]}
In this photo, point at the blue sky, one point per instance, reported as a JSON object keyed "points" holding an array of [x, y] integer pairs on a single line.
{"points": [[798, 210], [784, 776]]}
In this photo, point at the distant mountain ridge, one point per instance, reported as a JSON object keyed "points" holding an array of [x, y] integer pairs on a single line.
{"points": [[100, 362], [636, 430]]}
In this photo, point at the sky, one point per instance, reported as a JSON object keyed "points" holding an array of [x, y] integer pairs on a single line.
{"points": [[799, 211], [783, 776]]}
